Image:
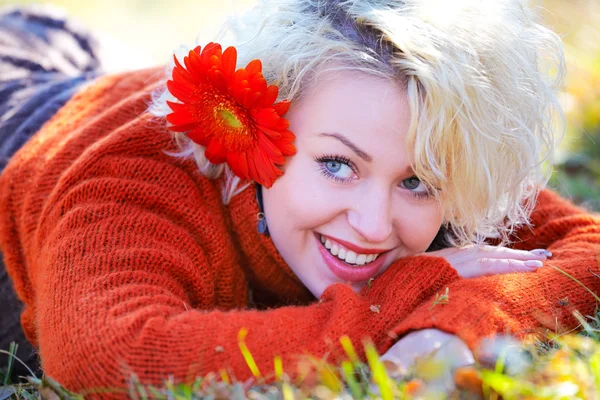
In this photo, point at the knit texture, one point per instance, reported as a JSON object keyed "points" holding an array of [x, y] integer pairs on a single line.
{"points": [[128, 262], [44, 59]]}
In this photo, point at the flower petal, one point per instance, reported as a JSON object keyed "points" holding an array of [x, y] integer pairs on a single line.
{"points": [[287, 149], [282, 107], [194, 66], [181, 117], [287, 136], [219, 80], [211, 49], [258, 84], [250, 98], [229, 61], [199, 136], [253, 67], [266, 117], [269, 96], [285, 143], [239, 76], [214, 61], [243, 165], [216, 153], [180, 74], [265, 167], [282, 125], [238, 162], [240, 96], [269, 132], [181, 91], [270, 149], [252, 170]]}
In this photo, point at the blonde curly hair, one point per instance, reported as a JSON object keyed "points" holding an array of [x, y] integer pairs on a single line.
{"points": [[481, 77]]}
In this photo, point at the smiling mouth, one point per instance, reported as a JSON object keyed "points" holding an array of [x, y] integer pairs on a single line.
{"points": [[346, 255]]}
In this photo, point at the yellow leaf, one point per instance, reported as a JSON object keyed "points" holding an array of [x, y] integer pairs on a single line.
{"points": [[246, 353]]}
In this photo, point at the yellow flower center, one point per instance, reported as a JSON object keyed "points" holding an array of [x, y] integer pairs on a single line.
{"points": [[229, 123], [230, 120]]}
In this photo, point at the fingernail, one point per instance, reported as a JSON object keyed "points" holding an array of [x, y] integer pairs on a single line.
{"points": [[533, 263], [541, 252]]}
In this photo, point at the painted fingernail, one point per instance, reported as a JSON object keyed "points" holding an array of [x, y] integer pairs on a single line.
{"points": [[533, 263], [541, 252]]}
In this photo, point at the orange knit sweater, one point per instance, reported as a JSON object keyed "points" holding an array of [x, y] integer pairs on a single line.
{"points": [[128, 262]]}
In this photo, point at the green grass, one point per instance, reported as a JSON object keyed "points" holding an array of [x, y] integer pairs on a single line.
{"points": [[559, 367]]}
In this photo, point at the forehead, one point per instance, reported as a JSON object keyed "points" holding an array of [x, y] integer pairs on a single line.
{"points": [[353, 89], [371, 111], [353, 97]]}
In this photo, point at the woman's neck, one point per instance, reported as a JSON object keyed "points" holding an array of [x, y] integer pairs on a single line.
{"points": [[270, 279]]}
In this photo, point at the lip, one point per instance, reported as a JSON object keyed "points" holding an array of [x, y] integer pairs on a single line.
{"points": [[347, 273]]}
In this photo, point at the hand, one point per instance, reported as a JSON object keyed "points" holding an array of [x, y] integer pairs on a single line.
{"points": [[434, 356], [472, 261], [434, 348]]}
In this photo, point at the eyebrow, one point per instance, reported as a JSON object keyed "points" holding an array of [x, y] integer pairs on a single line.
{"points": [[361, 153]]}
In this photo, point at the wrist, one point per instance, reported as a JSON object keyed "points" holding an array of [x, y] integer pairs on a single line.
{"points": [[404, 286]]}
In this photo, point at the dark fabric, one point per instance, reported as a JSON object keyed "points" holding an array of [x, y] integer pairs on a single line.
{"points": [[44, 59]]}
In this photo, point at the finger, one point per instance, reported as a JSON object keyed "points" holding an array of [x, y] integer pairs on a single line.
{"points": [[493, 266], [505, 266], [542, 251], [508, 253]]}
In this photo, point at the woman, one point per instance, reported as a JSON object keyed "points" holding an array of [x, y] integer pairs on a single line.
{"points": [[409, 130]]}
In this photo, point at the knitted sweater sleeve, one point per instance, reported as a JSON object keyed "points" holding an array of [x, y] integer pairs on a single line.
{"points": [[120, 253], [526, 303]]}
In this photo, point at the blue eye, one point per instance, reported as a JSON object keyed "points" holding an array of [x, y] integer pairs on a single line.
{"points": [[338, 168], [412, 184], [333, 166]]}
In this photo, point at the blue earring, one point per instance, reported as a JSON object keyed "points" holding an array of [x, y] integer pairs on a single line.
{"points": [[262, 227], [262, 223]]}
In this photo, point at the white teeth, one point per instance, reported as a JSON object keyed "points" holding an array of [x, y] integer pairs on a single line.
{"points": [[348, 256], [351, 257], [361, 259], [335, 249]]}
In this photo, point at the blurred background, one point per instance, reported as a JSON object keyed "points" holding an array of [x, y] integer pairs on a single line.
{"points": [[139, 33]]}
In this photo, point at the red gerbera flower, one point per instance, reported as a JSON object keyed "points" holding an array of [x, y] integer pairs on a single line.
{"points": [[231, 113]]}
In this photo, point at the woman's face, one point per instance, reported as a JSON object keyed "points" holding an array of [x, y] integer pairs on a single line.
{"points": [[349, 184]]}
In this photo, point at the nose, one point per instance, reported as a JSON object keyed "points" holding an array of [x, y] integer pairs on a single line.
{"points": [[371, 216]]}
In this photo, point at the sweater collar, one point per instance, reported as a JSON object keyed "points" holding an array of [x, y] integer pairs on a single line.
{"points": [[265, 268]]}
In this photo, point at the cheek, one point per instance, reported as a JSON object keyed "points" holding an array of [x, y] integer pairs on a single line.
{"points": [[418, 225], [300, 199]]}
